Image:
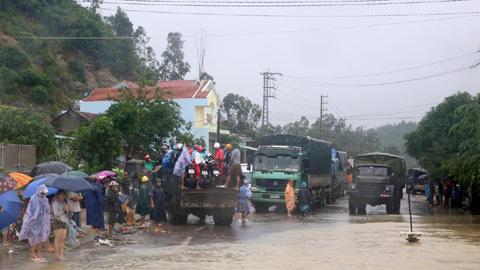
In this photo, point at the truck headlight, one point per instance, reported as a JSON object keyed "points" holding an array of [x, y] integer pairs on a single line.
{"points": [[254, 188], [352, 186], [387, 188]]}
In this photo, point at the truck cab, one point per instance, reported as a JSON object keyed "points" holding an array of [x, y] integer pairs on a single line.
{"points": [[273, 167]]}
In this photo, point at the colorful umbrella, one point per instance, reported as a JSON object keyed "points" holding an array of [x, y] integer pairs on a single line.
{"points": [[33, 186], [106, 173], [68, 182], [22, 179], [11, 206], [50, 167], [7, 183], [77, 174]]}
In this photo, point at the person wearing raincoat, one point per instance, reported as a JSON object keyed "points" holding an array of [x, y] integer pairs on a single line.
{"points": [[182, 163], [95, 198], [143, 202], [158, 200], [290, 197], [36, 223], [219, 157], [304, 199], [244, 203]]}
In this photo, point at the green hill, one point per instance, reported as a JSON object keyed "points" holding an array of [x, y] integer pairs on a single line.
{"points": [[53, 51]]}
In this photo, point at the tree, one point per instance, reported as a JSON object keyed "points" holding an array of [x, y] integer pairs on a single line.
{"points": [[99, 143], [242, 116], [432, 143], [23, 126], [173, 66], [145, 119]]}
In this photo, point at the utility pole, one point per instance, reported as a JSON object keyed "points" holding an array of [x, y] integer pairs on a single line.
{"points": [[268, 88], [321, 114], [218, 124]]}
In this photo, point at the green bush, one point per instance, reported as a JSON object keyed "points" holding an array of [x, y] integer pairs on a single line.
{"points": [[78, 69], [9, 80], [40, 94], [31, 77], [14, 57]]}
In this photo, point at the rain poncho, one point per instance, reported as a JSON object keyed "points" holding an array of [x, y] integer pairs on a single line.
{"points": [[158, 196], [95, 207], [289, 198], [219, 156], [36, 221], [303, 197], [182, 162], [143, 201], [244, 199]]}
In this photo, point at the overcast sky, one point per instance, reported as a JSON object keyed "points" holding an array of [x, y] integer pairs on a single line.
{"points": [[309, 51]]}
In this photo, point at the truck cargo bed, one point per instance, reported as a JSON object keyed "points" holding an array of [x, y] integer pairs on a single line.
{"points": [[209, 198]]}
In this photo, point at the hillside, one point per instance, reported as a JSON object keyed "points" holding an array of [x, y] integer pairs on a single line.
{"points": [[50, 73]]}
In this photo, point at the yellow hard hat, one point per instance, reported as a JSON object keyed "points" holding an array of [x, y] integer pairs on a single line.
{"points": [[145, 179], [229, 146]]}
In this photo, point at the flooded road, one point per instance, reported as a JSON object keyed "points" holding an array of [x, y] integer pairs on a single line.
{"points": [[328, 239]]}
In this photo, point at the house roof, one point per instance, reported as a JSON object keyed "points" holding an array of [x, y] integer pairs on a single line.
{"points": [[178, 90], [129, 83], [86, 115]]}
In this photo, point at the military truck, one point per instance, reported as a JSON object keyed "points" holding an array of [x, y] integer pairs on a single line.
{"points": [[284, 157], [217, 202], [379, 179]]}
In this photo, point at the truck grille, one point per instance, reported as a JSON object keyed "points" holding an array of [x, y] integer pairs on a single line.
{"points": [[272, 183], [370, 188]]}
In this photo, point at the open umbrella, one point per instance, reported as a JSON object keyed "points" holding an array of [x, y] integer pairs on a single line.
{"points": [[106, 173], [33, 186], [50, 167], [44, 175], [423, 177], [77, 174], [11, 206], [7, 183], [68, 182], [22, 179]]}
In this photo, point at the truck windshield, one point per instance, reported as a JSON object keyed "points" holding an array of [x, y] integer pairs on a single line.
{"points": [[382, 171], [278, 163]]}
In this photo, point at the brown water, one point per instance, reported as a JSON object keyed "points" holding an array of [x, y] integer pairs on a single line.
{"points": [[330, 239]]}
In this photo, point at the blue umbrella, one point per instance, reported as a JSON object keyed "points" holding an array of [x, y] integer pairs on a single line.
{"points": [[33, 186], [11, 206], [68, 182], [123, 198]]}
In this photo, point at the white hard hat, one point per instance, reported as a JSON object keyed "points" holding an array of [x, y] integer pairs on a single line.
{"points": [[179, 146], [216, 145]]}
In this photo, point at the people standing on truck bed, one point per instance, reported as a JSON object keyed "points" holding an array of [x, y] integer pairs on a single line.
{"points": [[228, 154], [234, 167], [219, 158], [290, 197], [181, 164], [198, 161], [304, 199]]}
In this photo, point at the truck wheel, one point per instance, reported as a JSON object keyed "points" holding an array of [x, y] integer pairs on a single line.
{"points": [[352, 207], [182, 219], [261, 208], [362, 209], [223, 217], [176, 218], [390, 206]]}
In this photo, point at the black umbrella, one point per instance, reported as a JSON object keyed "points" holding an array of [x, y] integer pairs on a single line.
{"points": [[7, 183], [68, 182], [423, 177], [50, 167], [45, 175]]}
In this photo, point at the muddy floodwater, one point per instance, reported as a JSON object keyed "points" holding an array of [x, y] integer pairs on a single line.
{"points": [[328, 239]]}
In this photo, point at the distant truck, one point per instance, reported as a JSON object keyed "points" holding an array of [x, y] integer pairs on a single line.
{"points": [[414, 184], [379, 178], [217, 202], [17, 157], [284, 157], [339, 176]]}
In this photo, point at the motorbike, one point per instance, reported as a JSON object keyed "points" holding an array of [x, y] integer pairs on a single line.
{"points": [[209, 173], [190, 181]]}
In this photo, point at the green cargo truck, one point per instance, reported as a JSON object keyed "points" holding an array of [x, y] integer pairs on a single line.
{"points": [[284, 157], [379, 179]]}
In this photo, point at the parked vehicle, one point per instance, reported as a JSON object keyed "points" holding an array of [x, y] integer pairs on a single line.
{"points": [[414, 184], [339, 176], [379, 178], [284, 157]]}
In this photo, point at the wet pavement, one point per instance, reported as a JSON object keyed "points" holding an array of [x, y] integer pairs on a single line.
{"points": [[327, 239]]}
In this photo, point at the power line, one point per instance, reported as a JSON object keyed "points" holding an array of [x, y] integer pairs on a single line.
{"points": [[255, 2], [384, 83], [387, 72], [298, 16], [277, 5]]}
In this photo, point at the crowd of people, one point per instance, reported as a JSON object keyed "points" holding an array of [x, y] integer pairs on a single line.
{"points": [[116, 199], [446, 194]]}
